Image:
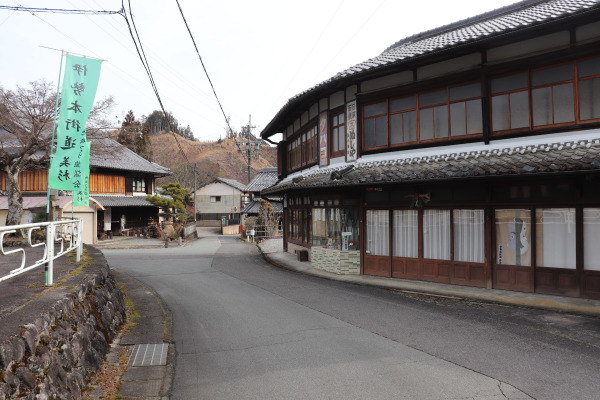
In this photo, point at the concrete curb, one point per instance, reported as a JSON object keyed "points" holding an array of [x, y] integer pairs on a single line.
{"points": [[562, 304]]}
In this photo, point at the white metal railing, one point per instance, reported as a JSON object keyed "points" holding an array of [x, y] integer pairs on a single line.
{"points": [[260, 232], [57, 232]]}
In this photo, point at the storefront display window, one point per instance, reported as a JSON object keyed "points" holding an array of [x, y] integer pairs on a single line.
{"points": [[513, 237], [335, 228]]}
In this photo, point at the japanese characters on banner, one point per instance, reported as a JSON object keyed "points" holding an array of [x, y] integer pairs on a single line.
{"points": [[351, 137], [323, 138], [69, 169]]}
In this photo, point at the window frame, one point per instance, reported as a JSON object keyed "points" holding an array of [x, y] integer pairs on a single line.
{"points": [[334, 129], [419, 110], [302, 149]]}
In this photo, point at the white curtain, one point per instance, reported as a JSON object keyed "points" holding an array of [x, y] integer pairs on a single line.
{"points": [[591, 239], [469, 236], [406, 233], [556, 227], [378, 232], [436, 234]]}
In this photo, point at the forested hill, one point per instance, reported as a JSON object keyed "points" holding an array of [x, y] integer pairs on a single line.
{"points": [[213, 159]]}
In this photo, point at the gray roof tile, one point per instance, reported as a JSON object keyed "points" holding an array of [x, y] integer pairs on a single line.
{"points": [[265, 178], [123, 201], [233, 183], [581, 155], [108, 153]]}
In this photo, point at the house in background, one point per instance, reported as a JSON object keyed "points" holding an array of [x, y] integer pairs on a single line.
{"points": [[221, 199], [120, 180], [264, 179], [467, 154]]}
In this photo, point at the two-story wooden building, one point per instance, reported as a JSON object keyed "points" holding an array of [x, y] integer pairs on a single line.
{"points": [[120, 180], [468, 154]]}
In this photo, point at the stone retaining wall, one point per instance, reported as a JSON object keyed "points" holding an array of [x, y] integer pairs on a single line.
{"points": [[54, 355]]}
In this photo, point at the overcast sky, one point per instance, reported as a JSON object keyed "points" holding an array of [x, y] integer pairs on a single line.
{"points": [[258, 53]]}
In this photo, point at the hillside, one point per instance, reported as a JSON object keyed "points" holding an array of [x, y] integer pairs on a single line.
{"points": [[219, 159]]}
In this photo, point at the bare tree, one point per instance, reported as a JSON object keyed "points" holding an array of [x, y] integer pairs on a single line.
{"points": [[26, 117]]}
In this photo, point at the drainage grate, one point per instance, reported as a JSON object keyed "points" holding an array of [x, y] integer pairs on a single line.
{"points": [[147, 355]]}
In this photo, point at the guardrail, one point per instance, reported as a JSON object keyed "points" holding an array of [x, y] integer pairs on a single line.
{"points": [[57, 232]]}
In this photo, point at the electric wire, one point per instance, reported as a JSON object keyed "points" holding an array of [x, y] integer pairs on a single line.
{"points": [[144, 61], [203, 67], [56, 10]]}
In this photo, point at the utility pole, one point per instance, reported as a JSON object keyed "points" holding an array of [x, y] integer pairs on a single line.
{"points": [[249, 149], [195, 213]]}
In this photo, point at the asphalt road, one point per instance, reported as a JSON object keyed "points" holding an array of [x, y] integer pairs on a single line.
{"points": [[247, 330]]}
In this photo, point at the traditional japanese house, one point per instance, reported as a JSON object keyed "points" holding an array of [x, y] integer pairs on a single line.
{"points": [[220, 202], [264, 179], [468, 154], [120, 180]]}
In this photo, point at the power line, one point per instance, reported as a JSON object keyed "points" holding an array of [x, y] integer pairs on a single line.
{"points": [[56, 10], [203, 67], [144, 61]]}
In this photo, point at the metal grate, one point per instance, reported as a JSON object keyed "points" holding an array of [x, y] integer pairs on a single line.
{"points": [[148, 355]]}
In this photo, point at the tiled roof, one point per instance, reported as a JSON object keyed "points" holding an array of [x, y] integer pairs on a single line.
{"points": [[265, 178], [108, 153], [233, 183], [526, 157], [123, 201], [507, 19], [254, 205]]}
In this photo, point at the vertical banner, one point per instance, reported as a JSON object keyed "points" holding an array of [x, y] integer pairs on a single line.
{"points": [[67, 168], [323, 138], [351, 137], [81, 193]]}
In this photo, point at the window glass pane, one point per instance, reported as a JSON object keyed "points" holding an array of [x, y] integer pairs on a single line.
{"points": [[469, 243], [381, 131], [341, 118], [375, 109], [342, 136], [552, 75], [319, 227], [474, 117], [555, 237], [350, 223], [519, 110], [458, 121], [564, 104], [589, 99], [406, 233], [589, 67], [426, 124], [428, 99], [396, 135], [369, 133], [513, 237], [334, 120], [542, 106], [436, 234], [465, 92], [334, 139], [410, 126], [500, 114], [511, 82], [441, 121], [404, 103], [378, 241], [591, 233]]}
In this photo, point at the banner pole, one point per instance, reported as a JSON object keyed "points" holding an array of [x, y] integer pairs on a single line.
{"points": [[53, 130], [49, 231]]}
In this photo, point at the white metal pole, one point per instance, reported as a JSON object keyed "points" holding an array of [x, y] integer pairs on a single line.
{"points": [[50, 247]]}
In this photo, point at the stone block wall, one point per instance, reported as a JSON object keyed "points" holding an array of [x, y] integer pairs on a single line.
{"points": [[54, 355], [336, 261]]}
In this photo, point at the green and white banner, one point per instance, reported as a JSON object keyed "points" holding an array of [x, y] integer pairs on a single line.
{"points": [[69, 169]]}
